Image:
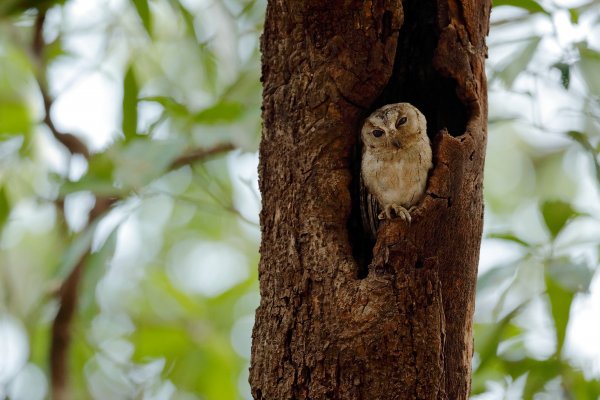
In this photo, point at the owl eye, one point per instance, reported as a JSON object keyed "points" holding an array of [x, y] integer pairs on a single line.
{"points": [[401, 122], [377, 133]]}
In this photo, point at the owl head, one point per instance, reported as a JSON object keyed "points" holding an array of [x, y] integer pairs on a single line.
{"points": [[394, 126]]}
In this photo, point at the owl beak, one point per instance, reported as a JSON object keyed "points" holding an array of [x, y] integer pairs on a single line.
{"points": [[396, 143]]}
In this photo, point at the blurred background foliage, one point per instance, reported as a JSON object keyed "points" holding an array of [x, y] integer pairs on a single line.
{"points": [[143, 177], [129, 202], [537, 325]]}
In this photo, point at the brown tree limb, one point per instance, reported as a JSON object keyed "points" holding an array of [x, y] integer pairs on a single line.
{"points": [[61, 327], [61, 332], [73, 144], [200, 154], [37, 45]]}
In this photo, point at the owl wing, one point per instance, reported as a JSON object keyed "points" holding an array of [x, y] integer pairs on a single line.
{"points": [[369, 210]]}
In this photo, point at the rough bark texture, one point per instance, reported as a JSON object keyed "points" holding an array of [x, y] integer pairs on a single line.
{"points": [[328, 327]]}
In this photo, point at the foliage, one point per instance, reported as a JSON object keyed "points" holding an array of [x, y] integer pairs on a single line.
{"points": [[133, 175], [149, 196], [542, 180]]}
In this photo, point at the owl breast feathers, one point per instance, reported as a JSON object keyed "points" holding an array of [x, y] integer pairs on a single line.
{"points": [[396, 159]]}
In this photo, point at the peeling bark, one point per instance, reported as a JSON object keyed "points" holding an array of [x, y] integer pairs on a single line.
{"points": [[401, 328]]}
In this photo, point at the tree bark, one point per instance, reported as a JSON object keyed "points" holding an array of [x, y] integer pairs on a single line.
{"points": [[337, 321]]}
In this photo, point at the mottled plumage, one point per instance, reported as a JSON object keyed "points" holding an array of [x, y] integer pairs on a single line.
{"points": [[396, 160]]}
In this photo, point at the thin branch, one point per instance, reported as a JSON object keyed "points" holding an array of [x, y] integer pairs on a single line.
{"points": [[218, 206], [73, 144], [511, 20], [200, 155], [37, 45]]}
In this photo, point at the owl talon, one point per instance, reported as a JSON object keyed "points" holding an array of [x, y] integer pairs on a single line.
{"points": [[394, 211], [402, 213]]}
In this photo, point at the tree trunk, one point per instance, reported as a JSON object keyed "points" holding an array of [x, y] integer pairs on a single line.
{"points": [[335, 320]]}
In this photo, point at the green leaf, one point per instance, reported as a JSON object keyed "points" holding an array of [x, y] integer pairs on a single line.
{"points": [[577, 12], [55, 49], [560, 306], [496, 276], [589, 65], [572, 276], [188, 18], [161, 341], [247, 8], [489, 336], [210, 67], [129, 109], [144, 160], [143, 11], [98, 179], [4, 208], [539, 373], [556, 215], [565, 73], [157, 285], [187, 358], [90, 184], [564, 278], [575, 383], [14, 116], [222, 112], [483, 377], [582, 139], [102, 166], [519, 61], [510, 238], [170, 104], [78, 248], [529, 5], [95, 268], [11, 144], [574, 13]]}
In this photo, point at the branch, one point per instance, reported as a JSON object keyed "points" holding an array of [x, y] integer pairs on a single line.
{"points": [[73, 144], [61, 332], [37, 45], [61, 327], [199, 155]]}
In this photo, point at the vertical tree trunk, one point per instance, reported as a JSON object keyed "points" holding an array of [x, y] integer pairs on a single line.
{"points": [[328, 327]]}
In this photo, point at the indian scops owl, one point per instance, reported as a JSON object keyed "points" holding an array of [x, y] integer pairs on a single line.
{"points": [[395, 161]]}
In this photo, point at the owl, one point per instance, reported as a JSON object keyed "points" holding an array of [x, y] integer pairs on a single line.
{"points": [[396, 160]]}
